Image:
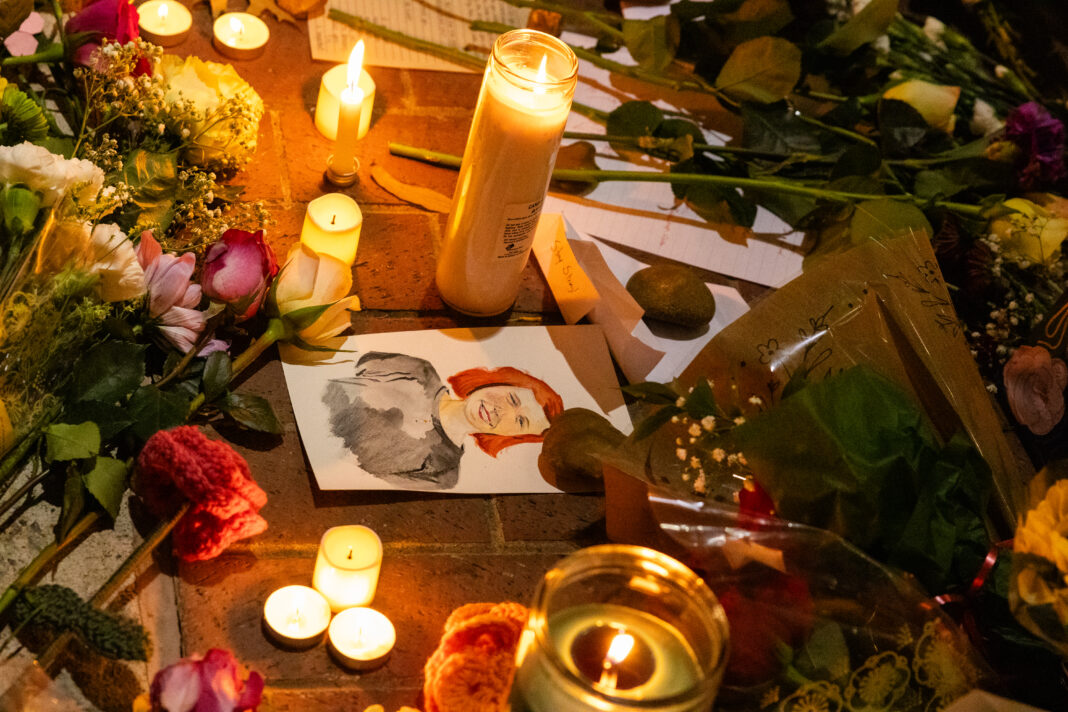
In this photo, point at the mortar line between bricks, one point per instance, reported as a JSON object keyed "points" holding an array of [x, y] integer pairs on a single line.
{"points": [[283, 174], [486, 548]]}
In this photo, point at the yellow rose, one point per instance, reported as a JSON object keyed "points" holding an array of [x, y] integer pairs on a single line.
{"points": [[310, 279], [228, 110], [1030, 231], [7, 433], [935, 102]]}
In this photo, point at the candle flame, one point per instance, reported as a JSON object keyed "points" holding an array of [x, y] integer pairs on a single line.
{"points": [[355, 65], [164, 9], [619, 649], [542, 74], [295, 619], [236, 26]]}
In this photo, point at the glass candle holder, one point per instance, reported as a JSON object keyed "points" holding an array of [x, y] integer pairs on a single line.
{"points": [[515, 134], [620, 628]]}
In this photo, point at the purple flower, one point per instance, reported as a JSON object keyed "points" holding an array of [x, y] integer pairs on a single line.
{"points": [[1040, 140]]}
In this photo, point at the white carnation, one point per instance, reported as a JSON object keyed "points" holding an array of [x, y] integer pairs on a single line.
{"points": [[48, 174]]}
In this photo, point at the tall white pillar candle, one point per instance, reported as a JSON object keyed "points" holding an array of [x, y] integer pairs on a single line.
{"points": [[346, 569], [522, 108]]}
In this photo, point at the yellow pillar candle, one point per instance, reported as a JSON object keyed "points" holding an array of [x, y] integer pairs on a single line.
{"points": [[347, 566], [164, 22], [240, 35], [296, 616], [361, 638], [522, 107], [327, 106], [332, 226]]}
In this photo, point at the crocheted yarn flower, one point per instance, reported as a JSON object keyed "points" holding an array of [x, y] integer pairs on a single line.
{"points": [[184, 464], [1040, 139]]}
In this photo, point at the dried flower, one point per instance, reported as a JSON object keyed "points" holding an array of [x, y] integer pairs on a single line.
{"points": [[1034, 387]]}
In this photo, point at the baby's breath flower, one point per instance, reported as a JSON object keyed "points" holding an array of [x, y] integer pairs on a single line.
{"points": [[695, 429], [708, 422], [719, 454], [681, 453]]}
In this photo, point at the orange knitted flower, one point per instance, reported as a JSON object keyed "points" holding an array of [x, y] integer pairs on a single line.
{"points": [[184, 464]]}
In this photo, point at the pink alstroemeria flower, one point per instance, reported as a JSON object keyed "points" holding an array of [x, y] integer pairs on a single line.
{"points": [[209, 684], [172, 297], [107, 21]]}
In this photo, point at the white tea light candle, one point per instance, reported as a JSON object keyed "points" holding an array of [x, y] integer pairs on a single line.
{"points": [[164, 22], [522, 108], [361, 638], [343, 165], [327, 106], [296, 616], [347, 566], [240, 35], [332, 226]]}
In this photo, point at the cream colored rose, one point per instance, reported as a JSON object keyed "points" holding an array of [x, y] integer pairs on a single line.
{"points": [[50, 175], [113, 258], [935, 102], [219, 135], [311, 279]]}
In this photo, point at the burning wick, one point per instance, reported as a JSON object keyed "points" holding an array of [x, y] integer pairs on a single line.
{"points": [[350, 548], [236, 26], [618, 651], [295, 619]]}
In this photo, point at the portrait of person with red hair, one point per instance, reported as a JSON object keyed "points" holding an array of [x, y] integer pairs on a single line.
{"points": [[406, 426]]}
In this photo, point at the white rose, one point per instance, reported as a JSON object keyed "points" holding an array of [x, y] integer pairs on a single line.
{"points": [[984, 119], [47, 173], [113, 258]]}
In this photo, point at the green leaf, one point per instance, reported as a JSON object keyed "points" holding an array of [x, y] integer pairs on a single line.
{"points": [[109, 372], [826, 654], [217, 374], [634, 118], [866, 26], [64, 441], [763, 70], [653, 422], [251, 411], [701, 401], [886, 218], [73, 502], [154, 410], [937, 184], [861, 159], [652, 392], [684, 135], [777, 129], [153, 181], [652, 43], [110, 419], [901, 128], [755, 18], [300, 319], [107, 483]]}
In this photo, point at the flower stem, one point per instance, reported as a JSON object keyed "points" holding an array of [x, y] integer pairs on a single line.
{"points": [[449, 54], [635, 141], [44, 557], [276, 329], [778, 186], [48, 658]]}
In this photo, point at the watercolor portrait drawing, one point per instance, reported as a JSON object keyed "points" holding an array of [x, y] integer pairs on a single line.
{"points": [[458, 410]]}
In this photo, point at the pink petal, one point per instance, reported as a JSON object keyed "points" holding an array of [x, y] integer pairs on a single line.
{"points": [[184, 318], [168, 283], [180, 337], [33, 23], [20, 44], [177, 687], [148, 250]]}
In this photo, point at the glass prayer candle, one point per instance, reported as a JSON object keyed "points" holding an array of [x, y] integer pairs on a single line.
{"points": [[620, 628], [511, 148], [347, 566]]}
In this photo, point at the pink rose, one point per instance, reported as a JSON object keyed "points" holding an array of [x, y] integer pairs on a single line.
{"points": [[1034, 387], [238, 270], [210, 684], [107, 21]]}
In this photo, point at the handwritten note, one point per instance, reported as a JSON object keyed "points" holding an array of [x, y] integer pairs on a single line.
{"points": [[574, 292], [444, 22]]}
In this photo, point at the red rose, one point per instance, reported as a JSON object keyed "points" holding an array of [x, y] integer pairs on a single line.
{"points": [[238, 270], [1034, 387], [215, 683], [107, 21]]}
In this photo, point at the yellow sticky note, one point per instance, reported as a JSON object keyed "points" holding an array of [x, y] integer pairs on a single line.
{"points": [[572, 288]]}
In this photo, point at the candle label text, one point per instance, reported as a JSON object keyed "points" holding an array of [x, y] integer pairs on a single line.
{"points": [[520, 220]]}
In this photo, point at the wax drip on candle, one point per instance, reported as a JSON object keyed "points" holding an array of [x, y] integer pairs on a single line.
{"points": [[610, 656]]}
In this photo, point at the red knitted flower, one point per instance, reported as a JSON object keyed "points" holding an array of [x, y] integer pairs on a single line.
{"points": [[184, 464]]}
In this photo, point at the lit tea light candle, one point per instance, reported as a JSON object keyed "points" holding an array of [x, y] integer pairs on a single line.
{"points": [[328, 105], [332, 226], [239, 35], [296, 616], [361, 638], [343, 165], [347, 566], [164, 22]]}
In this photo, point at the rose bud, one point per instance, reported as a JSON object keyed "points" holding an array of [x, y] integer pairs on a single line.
{"points": [[238, 270]]}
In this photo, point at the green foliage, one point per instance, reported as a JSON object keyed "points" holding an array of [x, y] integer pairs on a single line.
{"points": [[21, 119], [251, 411], [61, 609], [64, 441], [764, 70], [883, 219], [216, 376], [652, 43], [153, 410], [109, 372], [18, 208], [106, 481], [153, 181], [867, 25]]}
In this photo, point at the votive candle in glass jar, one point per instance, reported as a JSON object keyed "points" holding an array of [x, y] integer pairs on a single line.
{"points": [[620, 628], [515, 134]]}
